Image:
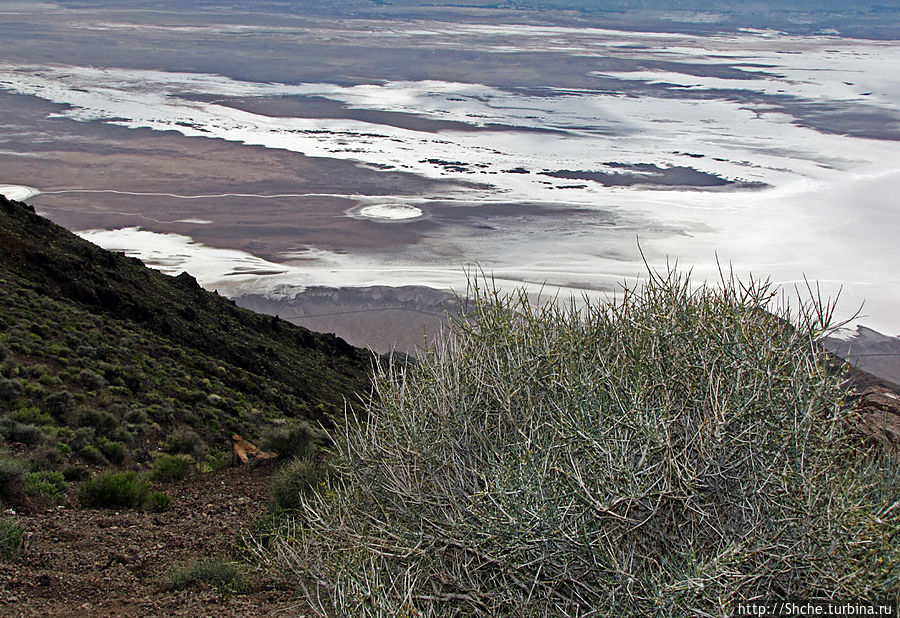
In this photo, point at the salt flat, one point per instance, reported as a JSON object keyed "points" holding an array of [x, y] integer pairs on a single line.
{"points": [[775, 154]]}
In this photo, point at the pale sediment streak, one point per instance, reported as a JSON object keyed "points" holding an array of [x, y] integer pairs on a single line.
{"points": [[18, 192]]}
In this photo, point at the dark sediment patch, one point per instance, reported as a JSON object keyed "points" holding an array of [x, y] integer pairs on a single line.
{"points": [[319, 107], [649, 174]]}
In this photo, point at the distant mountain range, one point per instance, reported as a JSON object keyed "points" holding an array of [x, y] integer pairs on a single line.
{"points": [[867, 19], [870, 351]]}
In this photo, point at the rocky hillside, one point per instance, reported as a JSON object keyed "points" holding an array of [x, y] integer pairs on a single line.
{"points": [[120, 389], [104, 360], [871, 352]]}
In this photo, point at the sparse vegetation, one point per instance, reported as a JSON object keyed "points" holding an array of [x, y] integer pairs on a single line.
{"points": [[215, 461], [103, 363], [157, 502], [668, 454], [12, 479], [104, 369], [172, 468], [296, 479], [217, 572], [293, 438], [12, 539]]}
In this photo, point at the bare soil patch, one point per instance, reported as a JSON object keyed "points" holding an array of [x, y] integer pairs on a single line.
{"points": [[105, 562]]}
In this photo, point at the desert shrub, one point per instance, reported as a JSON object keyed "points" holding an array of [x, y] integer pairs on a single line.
{"points": [[9, 369], [172, 468], [215, 461], [665, 454], [294, 438], [36, 370], [75, 473], [190, 395], [12, 539], [10, 389], [216, 572], [59, 350], [113, 451], [86, 351], [159, 413], [100, 421], [157, 502], [110, 489], [49, 484], [33, 390], [59, 404], [46, 457], [295, 479], [91, 381], [48, 379], [267, 526], [14, 431], [12, 478], [136, 380], [184, 441], [137, 416], [81, 437], [92, 455], [31, 415]]}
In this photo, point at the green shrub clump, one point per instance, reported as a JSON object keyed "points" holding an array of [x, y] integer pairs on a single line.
{"points": [[111, 489], [157, 502], [294, 438], [10, 390], [113, 451], [92, 455], [295, 479], [185, 441], [215, 461], [172, 468], [669, 453], [48, 484]]}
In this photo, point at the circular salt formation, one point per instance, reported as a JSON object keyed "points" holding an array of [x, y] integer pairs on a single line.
{"points": [[390, 212], [18, 192]]}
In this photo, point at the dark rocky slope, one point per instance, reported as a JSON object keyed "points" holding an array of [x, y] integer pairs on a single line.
{"points": [[99, 353], [56, 264]]}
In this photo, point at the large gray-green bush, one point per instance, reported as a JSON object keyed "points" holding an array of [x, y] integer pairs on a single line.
{"points": [[671, 453]]}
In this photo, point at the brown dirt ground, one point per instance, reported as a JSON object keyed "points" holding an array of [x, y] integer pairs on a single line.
{"points": [[106, 562]]}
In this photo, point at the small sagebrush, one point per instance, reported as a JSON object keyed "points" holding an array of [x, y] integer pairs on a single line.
{"points": [[295, 479], [111, 489], [295, 438], [157, 502], [46, 484], [12, 479], [670, 453], [173, 468]]}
